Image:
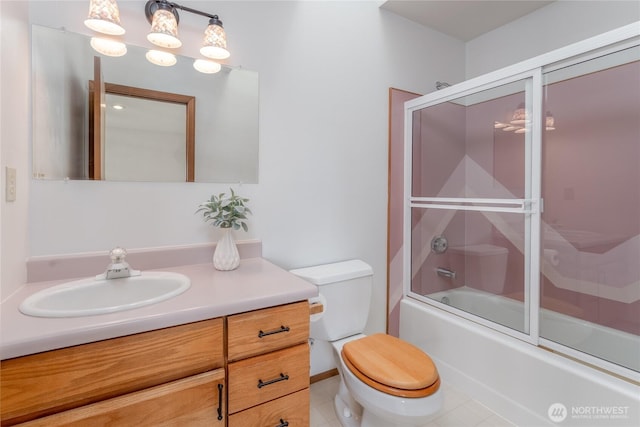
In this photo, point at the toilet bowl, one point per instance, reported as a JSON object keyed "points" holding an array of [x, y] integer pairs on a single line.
{"points": [[384, 381], [386, 405]]}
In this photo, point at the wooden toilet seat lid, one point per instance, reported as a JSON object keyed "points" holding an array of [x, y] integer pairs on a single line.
{"points": [[391, 365]]}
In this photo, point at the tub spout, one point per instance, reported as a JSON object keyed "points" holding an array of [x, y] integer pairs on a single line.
{"points": [[445, 272]]}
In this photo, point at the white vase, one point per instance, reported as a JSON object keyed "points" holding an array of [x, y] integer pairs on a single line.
{"points": [[226, 256]]}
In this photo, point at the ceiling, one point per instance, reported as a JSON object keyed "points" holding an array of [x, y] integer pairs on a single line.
{"points": [[464, 20]]}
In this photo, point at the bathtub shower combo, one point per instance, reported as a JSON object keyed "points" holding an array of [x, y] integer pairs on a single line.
{"points": [[522, 232]]}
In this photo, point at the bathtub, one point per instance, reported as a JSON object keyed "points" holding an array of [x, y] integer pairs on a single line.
{"points": [[618, 347], [527, 385]]}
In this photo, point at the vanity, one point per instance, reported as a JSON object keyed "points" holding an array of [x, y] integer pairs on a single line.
{"points": [[230, 351]]}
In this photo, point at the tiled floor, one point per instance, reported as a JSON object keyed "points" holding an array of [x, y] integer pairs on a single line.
{"points": [[458, 411]]}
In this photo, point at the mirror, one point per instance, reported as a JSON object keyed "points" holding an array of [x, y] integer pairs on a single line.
{"points": [[225, 147]]}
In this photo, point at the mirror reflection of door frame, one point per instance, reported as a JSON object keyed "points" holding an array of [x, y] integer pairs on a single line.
{"points": [[96, 122], [188, 101]]}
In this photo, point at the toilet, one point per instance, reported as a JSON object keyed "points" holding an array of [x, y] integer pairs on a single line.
{"points": [[482, 266], [384, 381]]}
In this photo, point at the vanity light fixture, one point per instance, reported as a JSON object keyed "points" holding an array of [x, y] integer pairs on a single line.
{"points": [[214, 45], [164, 19], [164, 24], [104, 17]]}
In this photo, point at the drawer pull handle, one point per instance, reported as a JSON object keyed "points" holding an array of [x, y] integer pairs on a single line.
{"points": [[282, 377], [220, 402], [283, 423], [275, 331]]}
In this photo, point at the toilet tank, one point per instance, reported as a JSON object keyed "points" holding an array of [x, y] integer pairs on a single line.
{"points": [[345, 290]]}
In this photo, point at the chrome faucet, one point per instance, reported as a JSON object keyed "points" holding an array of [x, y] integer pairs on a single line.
{"points": [[118, 267]]}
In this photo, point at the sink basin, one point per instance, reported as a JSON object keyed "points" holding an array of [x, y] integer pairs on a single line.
{"points": [[92, 296]]}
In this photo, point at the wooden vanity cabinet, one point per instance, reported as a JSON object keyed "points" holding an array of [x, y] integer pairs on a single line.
{"points": [[268, 367], [47, 383], [173, 376]]}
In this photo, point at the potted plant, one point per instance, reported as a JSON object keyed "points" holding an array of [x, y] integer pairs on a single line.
{"points": [[227, 213]]}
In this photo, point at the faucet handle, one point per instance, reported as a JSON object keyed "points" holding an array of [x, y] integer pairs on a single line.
{"points": [[117, 254]]}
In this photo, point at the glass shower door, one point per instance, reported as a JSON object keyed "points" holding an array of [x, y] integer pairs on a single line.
{"points": [[472, 203], [590, 277]]}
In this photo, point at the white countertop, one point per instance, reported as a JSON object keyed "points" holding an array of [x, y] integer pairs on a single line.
{"points": [[256, 284]]}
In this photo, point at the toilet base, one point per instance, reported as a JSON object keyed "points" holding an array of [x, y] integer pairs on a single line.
{"points": [[345, 416], [349, 419]]}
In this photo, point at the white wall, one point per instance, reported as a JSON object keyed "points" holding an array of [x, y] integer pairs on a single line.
{"points": [[559, 24], [325, 69], [14, 136]]}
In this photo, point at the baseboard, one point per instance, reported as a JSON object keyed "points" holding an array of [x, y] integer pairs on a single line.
{"points": [[323, 375]]}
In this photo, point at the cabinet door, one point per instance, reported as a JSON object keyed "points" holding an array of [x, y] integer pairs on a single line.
{"points": [[269, 329], [267, 377], [291, 410], [194, 401], [46, 383]]}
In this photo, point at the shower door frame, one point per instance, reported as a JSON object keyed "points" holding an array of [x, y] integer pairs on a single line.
{"points": [[527, 206], [532, 205]]}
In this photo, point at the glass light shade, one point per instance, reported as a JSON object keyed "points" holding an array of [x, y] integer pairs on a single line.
{"points": [[108, 47], [214, 45], [521, 130], [510, 128], [164, 30], [104, 17], [206, 66], [158, 57], [499, 125]]}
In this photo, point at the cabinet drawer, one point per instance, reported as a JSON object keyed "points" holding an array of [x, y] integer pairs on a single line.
{"points": [[269, 376], [193, 401], [292, 409], [46, 383], [266, 330]]}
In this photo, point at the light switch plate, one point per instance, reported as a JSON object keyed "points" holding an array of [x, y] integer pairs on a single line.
{"points": [[10, 181]]}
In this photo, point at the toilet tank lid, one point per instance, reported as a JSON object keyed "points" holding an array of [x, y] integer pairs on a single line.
{"points": [[335, 272]]}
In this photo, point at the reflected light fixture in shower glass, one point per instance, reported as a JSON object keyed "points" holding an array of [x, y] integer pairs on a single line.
{"points": [[520, 116]]}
